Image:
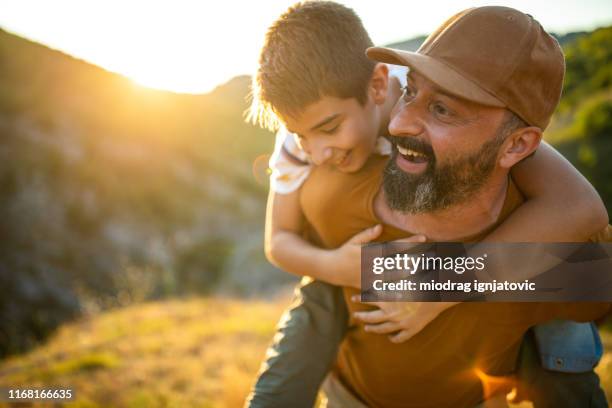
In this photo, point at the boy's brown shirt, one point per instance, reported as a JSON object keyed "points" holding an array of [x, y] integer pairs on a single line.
{"points": [[453, 361]]}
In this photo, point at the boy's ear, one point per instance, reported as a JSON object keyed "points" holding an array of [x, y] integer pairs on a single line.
{"points": [[519, 145], [379, 83]]}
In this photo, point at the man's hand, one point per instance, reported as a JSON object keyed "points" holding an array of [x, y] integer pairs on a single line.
{"points": [[346, 260], [402, 319]]}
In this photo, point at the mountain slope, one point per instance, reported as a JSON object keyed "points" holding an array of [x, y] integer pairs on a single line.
{"points": [[113, 193]]}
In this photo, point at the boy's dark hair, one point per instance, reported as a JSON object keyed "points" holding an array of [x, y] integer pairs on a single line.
{"points": [[315, 49]]}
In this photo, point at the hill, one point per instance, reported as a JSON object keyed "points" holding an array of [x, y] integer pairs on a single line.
{"points": [[113, 193], [582, 127]]}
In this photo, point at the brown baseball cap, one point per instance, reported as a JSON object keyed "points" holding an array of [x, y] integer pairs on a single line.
{"points": [[496, 56]]}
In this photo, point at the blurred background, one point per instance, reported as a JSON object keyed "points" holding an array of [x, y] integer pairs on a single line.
{"points": [[132, 192]]}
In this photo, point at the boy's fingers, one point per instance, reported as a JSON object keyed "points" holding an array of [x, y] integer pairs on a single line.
{"points": [[415, 238], [402, 336], [373, 316], [382, 328], [366, 235]]}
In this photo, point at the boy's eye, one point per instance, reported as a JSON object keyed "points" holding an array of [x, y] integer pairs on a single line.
{"points": [[408, 94], [330, 130]]}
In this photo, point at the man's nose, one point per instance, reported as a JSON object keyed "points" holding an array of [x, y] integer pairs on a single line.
{"points": [[405, 121]]}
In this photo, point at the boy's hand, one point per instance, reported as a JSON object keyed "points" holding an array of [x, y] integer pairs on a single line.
{"points": [[346, 260], [402, 319]]}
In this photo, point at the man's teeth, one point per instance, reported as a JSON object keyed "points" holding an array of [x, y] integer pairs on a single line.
{"points": [[409, 152]]}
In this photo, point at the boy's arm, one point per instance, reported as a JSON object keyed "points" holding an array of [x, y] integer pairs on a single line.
{"points": [[285, 247], [283, 244], [561, 206]]}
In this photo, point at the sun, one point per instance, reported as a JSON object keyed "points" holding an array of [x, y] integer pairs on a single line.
{"points": [[181, 79]]}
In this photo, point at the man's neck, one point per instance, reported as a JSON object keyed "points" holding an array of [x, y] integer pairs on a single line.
{"points": [[463, 220]]}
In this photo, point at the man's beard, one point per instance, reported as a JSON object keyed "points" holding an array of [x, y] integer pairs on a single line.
{"points": [[438, 187]]}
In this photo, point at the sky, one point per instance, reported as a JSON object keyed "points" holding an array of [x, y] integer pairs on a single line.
{"points": [[193, 46]]}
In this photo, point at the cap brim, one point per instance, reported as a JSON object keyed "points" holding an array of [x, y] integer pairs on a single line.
{"points": [[439, 73]]}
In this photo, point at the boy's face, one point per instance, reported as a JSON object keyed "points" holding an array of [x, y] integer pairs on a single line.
{"points": [[337, 131]]}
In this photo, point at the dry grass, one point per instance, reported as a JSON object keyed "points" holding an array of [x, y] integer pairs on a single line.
{"points": [[201, 353], [190, 353]]}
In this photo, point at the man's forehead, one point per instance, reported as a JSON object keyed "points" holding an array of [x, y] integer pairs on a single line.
{"points": [[416, 78]]}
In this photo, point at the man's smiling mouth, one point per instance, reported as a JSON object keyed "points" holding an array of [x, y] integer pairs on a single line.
{"points": [[411, 155]]}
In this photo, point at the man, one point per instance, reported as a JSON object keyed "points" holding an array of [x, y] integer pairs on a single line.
{"points": [[481, 90]]}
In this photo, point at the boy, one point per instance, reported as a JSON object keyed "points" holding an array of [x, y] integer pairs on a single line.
{"points": [[315, 79]]}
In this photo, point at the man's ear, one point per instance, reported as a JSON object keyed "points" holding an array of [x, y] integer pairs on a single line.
{"points": [[520, 144], [379, 83]]}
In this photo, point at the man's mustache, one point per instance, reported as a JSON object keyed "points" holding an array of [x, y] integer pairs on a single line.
{"points": [[412, 143]]}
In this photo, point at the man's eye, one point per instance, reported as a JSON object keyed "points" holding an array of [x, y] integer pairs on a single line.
{"points": [[440, 110], [408, 94]]}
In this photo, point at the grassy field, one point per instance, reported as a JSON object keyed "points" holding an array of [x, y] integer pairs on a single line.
{"points": [[202, 352], [188, 353]]}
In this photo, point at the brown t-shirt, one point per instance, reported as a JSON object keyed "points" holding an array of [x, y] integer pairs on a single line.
{"points": [[453, 362]]}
